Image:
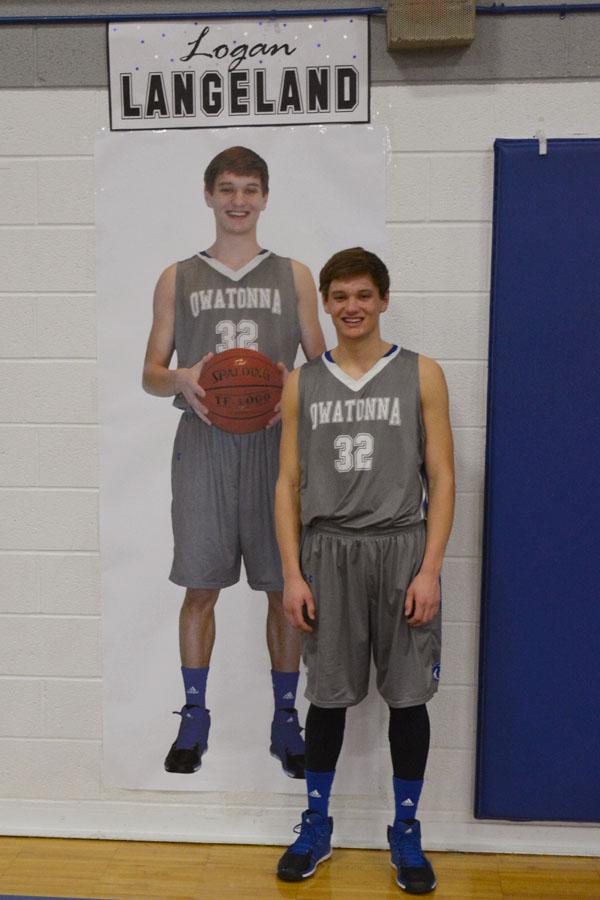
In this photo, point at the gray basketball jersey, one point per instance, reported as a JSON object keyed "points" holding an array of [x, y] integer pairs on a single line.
{"points": [[361, 444], [218, 308]]}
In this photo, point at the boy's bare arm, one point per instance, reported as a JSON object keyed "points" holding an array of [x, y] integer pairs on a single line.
{"points": [[158, 378], [311, 335], [296, 593]]}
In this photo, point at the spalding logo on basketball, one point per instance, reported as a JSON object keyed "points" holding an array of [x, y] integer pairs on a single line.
{"points": [[242, 389]]}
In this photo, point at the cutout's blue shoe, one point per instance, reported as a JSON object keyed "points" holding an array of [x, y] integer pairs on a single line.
{"points": [[287, 744], [185, 755], [414, 872], [311, 847]]}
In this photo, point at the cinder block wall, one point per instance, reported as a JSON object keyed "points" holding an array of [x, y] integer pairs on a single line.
{"points": [[50, 691], [438, 228]]}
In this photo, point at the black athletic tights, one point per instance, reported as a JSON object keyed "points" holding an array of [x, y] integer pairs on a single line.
{"points": [[408, 733]]}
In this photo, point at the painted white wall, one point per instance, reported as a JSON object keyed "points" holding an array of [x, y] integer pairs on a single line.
{"points": [[439, 229]]}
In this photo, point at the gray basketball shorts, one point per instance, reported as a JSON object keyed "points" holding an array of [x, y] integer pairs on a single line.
{"points": [[359, 582], [223, 506]]}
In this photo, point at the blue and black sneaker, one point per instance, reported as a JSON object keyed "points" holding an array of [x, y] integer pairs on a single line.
{"points": [[185, 755], [287, 744], [415, 874], [311, 847]]}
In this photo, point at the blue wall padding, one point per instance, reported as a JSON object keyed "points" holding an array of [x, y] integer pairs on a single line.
{"points": [[538, 746]]}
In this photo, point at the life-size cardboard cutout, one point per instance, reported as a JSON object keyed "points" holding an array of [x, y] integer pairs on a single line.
{"points": [[326, 193]]}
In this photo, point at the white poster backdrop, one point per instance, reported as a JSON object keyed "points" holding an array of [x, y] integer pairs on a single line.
{"points": [[327, 190]]}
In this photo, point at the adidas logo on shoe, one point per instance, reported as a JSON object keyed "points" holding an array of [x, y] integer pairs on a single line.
{"points": [[315, 793], [407, 802]]}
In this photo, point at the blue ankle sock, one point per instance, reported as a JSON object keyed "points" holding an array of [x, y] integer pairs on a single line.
{"points": [[406, 795], [285, 685], [318, 788], [194, 682]]}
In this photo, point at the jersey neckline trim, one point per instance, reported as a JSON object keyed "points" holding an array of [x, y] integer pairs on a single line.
{"points": [[356, 384], [234, 274]]}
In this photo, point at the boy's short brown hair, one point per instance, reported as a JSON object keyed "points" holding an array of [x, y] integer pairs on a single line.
{"points": [[238, 161], [352, 262]]}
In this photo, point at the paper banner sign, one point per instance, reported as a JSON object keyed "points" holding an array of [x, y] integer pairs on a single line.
{"points": [[212, 73]]}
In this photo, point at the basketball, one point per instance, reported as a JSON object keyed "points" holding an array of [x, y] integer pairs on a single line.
{"points": [[242, 389]]}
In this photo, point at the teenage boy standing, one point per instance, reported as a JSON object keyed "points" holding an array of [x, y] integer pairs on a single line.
{"points": [[366, 472]]}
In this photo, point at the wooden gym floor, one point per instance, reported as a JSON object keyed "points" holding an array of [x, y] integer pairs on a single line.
{"points": [[127, 869]]}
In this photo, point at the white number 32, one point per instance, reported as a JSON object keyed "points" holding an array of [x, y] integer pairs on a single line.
{"points": [[354, 452], [237, 334]]}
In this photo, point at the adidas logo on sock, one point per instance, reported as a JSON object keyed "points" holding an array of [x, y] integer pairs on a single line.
{"points": [[288, 696], [315, 793], [192, 690], [407, 802]]}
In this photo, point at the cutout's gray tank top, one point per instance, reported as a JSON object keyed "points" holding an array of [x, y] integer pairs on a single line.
{"points": [[217, 308]]}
